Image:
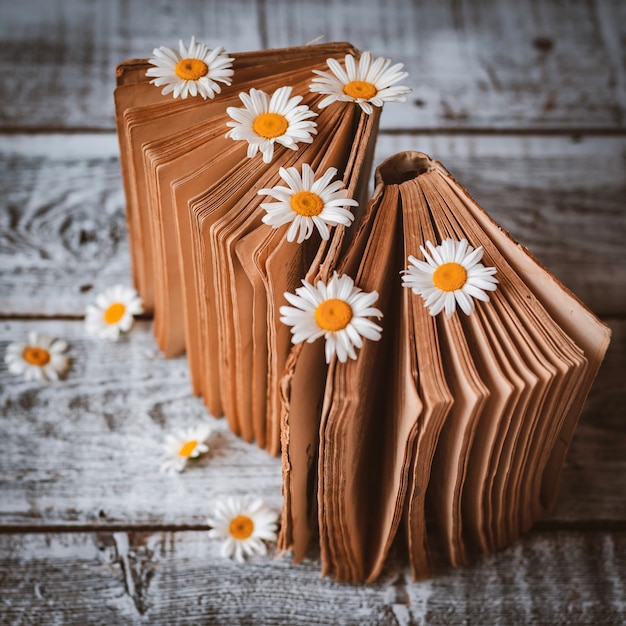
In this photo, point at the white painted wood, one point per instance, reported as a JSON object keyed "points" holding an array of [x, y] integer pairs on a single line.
{"points": [[90, 532], [562, 197], [494, 64], [179, 578], [62, 223], [481, 64], [85, 451], [63, 230], [59, 57]]}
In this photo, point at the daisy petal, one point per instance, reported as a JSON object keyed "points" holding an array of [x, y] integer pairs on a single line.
{"points": [[337, 310], [113, 312], [451, 275], [40, 358], [308, 204], [272, 119], [244, 524], [366, 83], [183, 445], [191, 71]]}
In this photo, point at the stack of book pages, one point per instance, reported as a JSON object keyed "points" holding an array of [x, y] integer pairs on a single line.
{"points": [[203, 261], [463, 420]]}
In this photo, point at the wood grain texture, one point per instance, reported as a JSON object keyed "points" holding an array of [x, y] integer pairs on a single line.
{"points": [[93, 442], [58, 57], [62, 223], [178, 578], [562, 197], [493, 64], [488, 64], [527, 102], [63, 230]]}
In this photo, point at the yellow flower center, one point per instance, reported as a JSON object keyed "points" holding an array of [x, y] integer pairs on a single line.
{"points": [[333, 314], [241, 527], [114, 313], [187, 448], [191, 69], [450, 276], [360, 89], [36, 356], [270, 125], [307, 203]]}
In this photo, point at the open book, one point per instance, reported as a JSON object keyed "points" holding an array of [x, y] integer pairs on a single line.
{"points": [[460, 419], [463, 420], [213, 274]]}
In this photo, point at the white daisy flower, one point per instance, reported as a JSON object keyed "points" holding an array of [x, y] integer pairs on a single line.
{"points": [[184, 445], [265, 120], [243, 523], [338, 311], [308, 203], [39, 358], [192, 71], [113, 312], [367, 83], [451, 275]]}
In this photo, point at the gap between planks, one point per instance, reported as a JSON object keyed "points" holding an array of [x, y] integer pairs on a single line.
{"points": [[577, 131], [544, 526]]}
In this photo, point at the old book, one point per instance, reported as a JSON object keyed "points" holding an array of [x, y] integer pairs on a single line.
{"points": [[212, 273], [447, 421], [462, 420]]}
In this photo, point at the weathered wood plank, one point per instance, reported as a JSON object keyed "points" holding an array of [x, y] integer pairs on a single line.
{"points": [[472, 65], [562, 197], [62, 224], [594, 468], [94, 440], [178, 578], [63, 231], [58, 58], [85, 451], [488, 64]]}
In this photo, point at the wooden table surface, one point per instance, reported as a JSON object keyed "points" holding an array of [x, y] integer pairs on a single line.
{"points": [[524, 102]]}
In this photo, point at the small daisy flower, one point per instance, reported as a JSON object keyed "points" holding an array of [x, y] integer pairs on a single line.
{"points": [[113, 312], [451, 275], [367, 83], [265, 120], [308, 203], [338, 311], [244, 524], [184, 445], [40, 358], [192, 71]]}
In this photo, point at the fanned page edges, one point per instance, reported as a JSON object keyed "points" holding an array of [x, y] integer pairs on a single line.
{"points": [[463, 421], [203, 261], [450, 431], [140, 103]]}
